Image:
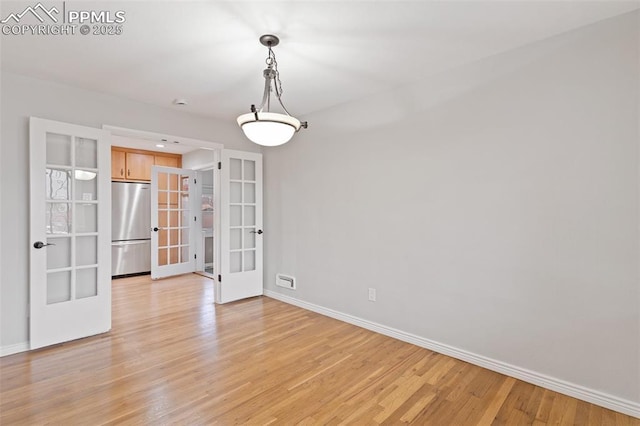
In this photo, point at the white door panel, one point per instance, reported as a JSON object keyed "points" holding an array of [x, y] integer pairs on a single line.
{"points": [[241, 226], [70, 229], [173, 219]]}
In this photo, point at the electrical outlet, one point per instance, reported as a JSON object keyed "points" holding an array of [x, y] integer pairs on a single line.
{"points": [[372, 294]]}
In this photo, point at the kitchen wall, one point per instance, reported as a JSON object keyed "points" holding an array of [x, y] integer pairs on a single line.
{"points": [[23, 97], [494, 208], [200, 158]]}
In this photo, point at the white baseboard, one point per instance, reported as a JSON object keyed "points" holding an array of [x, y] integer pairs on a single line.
{"points": [[14, 349], [621, 405]]}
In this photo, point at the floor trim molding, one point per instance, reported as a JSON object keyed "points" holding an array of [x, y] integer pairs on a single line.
{"points": [[14, 349], [580, 392]]}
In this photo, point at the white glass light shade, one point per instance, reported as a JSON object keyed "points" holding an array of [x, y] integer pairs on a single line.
{"points": [[84, 175], [271, 129]]}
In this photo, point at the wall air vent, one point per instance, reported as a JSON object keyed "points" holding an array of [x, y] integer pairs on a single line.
{"points": [[286, 281]]}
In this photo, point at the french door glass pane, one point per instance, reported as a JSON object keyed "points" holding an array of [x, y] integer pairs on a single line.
{"points": [[249, 216], [235, 171], [86, 250], [235, 239], [86, 189], [162, 256], [235, 218], [249, 170], [235, 261], [58, 218], [58, 287], [249, 237], [162, 218], [249, 193], [57, 184], [86, 153], [86, 283], [235, 194], [86, 218], [58, 149], [249, 260], [174, 236], [59, 255], [173, 256], [163, 238], [184, 236]]}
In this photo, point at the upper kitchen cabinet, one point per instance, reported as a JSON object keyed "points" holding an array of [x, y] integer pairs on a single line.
{"points": [[135, 165], [161, 160], [139, 166], [118, 164]]}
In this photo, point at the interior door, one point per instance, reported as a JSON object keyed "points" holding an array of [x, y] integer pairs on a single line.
{"points": [[241, 226], [173, 218], [70, 228]]}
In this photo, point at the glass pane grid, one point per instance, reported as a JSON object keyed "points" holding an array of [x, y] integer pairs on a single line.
{"points": [[72, 169], [175, 219], [242, 202], [71, 177]]}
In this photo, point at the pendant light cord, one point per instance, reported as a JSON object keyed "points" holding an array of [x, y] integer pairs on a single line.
{"points": [[272, 74]]}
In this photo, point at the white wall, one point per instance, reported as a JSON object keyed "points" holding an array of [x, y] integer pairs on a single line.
{"points": [[198, 159], [23, 97], [494, 208]]}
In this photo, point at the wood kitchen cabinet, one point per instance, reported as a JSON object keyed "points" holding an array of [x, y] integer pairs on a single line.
{"points": [[135, 165], [139, 166], [118, 165], [161, 160]]}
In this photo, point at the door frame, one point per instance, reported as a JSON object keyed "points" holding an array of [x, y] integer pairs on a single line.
{"points": [[216, 147], [213, 166]]}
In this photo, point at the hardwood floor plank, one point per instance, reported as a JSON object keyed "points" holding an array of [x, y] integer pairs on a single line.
{"points": [[497, 401], [173, 357]]}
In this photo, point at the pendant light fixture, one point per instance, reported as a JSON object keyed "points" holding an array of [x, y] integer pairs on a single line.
{"points": [[261, 125]]}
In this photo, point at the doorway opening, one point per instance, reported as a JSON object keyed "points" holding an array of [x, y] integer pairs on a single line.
{"points": [[208, 213], [194, 155]]}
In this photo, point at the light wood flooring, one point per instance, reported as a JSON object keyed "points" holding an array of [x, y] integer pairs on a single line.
{"points": [[173, 357]]}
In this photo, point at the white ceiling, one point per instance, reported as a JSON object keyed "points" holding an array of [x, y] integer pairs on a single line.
{"points": [[330, 52]]}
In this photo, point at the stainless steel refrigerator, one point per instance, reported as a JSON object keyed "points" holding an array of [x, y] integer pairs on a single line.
{"points": [[131, 228]]}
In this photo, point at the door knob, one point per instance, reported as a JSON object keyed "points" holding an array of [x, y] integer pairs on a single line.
{"points": [[40, 244], [259, 232], [155, 229]]}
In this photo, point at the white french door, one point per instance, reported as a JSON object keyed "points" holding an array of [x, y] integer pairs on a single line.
{"points": [[241, 226], [173, 221], [70, 229]]}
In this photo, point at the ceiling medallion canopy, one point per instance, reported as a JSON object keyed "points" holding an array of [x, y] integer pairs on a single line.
{"points": [[261, 125]]}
